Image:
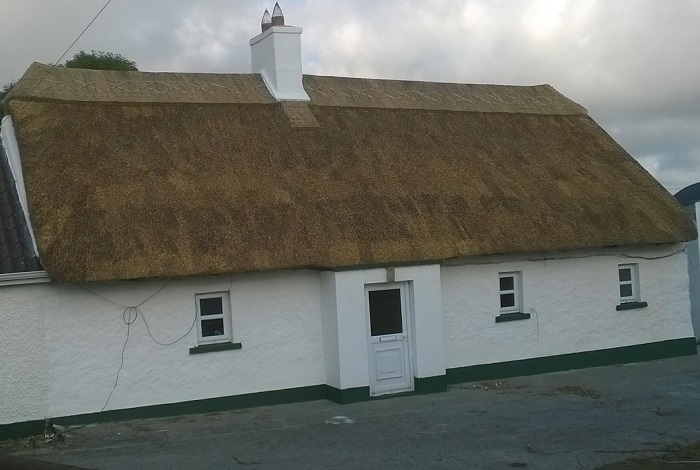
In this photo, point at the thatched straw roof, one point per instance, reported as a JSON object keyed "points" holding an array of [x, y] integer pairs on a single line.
{"points": [[141, 175]]}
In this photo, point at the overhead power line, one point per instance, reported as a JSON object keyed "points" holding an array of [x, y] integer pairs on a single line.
{"points": [[83, 32], [55, 64]]}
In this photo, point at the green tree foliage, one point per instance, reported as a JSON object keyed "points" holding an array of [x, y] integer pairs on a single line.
{"points": [[95, 60], [6, 89], [98, 60], [3, 93]]}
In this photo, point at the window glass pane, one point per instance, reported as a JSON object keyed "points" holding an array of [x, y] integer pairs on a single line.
{"points": [[625, 274], [385, 312], [213, 327], [507, 300], [507, 283], [212, 306], [625, 290]]}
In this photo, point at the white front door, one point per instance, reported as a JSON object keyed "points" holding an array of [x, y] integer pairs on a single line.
{"points": [[389, 354]]}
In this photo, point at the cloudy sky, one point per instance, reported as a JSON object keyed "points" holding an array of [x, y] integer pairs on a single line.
{"points": [[634, 64]]}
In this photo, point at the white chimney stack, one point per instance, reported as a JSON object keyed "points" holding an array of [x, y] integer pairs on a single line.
{"points": [[276, 55]]}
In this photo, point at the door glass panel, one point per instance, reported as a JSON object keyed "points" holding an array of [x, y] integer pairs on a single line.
{"points": [[385, 312]]}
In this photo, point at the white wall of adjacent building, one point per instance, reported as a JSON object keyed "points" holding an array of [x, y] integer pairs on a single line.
{"points": [[61, 344], [694, 271]]}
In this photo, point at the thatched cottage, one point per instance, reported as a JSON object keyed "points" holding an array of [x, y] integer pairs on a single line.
{"points": [[177, 242]]}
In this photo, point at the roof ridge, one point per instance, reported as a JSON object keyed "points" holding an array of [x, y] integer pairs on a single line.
{"points": [[43, 82]]}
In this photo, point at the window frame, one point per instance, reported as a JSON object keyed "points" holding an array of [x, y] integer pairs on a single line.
{"points": [[633, 282], [517, 292], [227, 337]]}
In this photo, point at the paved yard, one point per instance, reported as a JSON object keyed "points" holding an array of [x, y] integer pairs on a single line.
{"points": [[566, 420]]}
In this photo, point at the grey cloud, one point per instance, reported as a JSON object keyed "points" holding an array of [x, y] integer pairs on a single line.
{"points": [[631, 63]]}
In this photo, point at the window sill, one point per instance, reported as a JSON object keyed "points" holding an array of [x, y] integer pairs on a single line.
{"points": [[512, 317], [631, 305], [31, 277], [205, 348]]}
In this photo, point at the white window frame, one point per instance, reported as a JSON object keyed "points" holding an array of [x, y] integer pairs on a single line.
{"points": [[227, 337], [517, 291], [633, 282]]}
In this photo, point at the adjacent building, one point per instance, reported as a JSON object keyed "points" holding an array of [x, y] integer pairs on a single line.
{"points": [[689, 198]]}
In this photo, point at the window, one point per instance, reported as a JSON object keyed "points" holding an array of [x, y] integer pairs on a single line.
{"points": [[628, 275], [213, 318], [630, 296], [510, 286]]}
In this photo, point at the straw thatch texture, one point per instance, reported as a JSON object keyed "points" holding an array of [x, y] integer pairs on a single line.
{"points": [[58, 83], [140, 190]]}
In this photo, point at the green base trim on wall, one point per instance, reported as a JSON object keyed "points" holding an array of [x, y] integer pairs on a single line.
{"points": [[347, 395], [19, 430], [582, 360], [436, 384], [605, 357], [208, 405]]}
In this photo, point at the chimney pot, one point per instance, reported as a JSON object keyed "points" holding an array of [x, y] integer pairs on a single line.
{"points": [[266, 22], [277, 16], [276, 56]]}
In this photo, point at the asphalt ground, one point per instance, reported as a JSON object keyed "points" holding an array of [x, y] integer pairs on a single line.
{"points": [[565, 420]]}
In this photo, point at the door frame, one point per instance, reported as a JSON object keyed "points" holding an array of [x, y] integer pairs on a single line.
{"points": [[405, 288]]}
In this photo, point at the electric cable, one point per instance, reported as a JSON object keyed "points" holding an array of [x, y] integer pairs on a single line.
{"points": [[475, 262], [55, 64], [127, 306], [126, 316], [130, 314], [194, 321]]}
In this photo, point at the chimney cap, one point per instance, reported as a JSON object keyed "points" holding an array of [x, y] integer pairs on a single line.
{"points": [[277, 16], [266, 22]]}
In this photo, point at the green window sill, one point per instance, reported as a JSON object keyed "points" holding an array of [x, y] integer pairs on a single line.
{"points": [[512, 317], [205, 348], [631, 305]]}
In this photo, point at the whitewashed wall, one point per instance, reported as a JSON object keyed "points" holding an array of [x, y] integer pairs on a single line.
{"points": [[61, 345], [572, 303], [24, 362], [346, 327], [694, 271]]}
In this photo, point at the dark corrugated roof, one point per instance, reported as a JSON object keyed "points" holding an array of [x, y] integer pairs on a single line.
{"points": [[370, 172], [14, 237], [689, 194]]}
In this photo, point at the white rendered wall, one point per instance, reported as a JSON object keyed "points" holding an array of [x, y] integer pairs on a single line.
{"points": [[329, 323], [24, 362], [572, 303], [61, 345], [346, 324], [694, 272]]}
